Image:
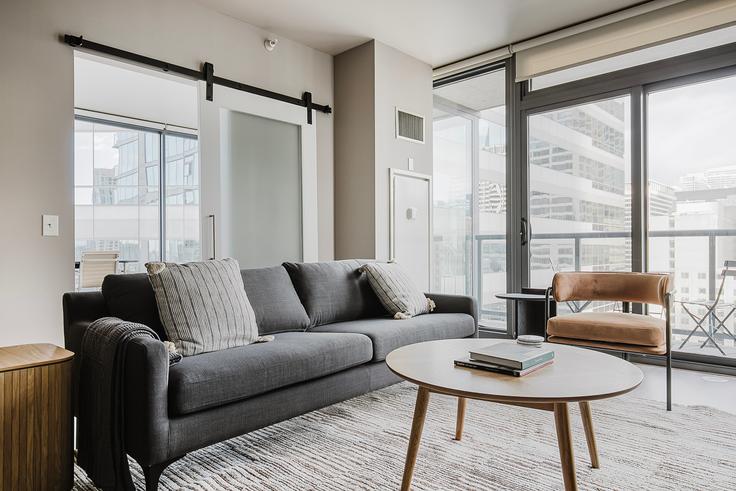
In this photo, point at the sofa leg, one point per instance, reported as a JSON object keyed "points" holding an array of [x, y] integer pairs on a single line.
{"points": [[152, 473]]}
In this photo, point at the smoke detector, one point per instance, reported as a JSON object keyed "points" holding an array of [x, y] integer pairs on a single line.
{"points": [[270, 44]]}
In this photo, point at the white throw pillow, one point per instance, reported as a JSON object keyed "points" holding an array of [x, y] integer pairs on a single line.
{"points": [[203, 305], [396, 291]]}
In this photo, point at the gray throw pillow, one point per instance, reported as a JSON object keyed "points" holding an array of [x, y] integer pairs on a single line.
{"points": [[396, 291], [203, 305]]}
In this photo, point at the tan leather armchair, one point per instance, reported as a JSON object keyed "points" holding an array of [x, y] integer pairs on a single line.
{"points": [[624, 332]]}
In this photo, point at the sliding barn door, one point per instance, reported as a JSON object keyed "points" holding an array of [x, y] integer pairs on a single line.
{"points": [[259, 179]]}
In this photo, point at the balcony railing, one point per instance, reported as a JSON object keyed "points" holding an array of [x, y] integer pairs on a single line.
{"points": [[576, 240]]}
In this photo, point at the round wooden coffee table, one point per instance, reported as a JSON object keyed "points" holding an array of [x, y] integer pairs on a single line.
{"points": [[577, 375]]}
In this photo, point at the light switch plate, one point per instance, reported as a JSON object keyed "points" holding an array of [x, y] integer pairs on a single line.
{"points": [[411, 163], [50, 225]]}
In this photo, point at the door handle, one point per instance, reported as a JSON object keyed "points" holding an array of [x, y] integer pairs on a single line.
{"points": [[214, 236], [524, 232]]}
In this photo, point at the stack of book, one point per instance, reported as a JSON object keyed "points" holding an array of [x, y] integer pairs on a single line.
{"points": [[508, 358]]}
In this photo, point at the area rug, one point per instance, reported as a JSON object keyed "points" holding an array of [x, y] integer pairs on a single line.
{"points": [[360, 444]]}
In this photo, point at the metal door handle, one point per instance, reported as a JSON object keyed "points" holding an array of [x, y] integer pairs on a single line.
{"points": [[214, 236], [524, 232]]}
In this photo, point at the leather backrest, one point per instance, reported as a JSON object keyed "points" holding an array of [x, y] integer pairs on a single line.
{"points": [[649, 288]]}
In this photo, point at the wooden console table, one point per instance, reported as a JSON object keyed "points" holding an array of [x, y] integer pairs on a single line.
{"points": [[36, 446]]}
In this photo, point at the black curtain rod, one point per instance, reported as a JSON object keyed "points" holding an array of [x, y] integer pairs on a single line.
{"points": [[207, 73]]}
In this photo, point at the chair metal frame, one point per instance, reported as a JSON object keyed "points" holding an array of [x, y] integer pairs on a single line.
{"points": [[626, 308], [711, 314]]}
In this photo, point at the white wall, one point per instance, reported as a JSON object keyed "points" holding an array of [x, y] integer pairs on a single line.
{"points": [[406, 83], [37, 132]]}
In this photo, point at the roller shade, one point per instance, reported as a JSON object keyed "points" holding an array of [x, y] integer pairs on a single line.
{"points": [[666, 24]]}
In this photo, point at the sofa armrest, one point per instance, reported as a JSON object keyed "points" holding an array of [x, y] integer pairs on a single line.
{"points": [[455, 304], [146, 400], [80, 310]]}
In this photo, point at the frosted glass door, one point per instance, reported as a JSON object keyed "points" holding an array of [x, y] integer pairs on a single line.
{"points": [[259, 180], [264, 189]]}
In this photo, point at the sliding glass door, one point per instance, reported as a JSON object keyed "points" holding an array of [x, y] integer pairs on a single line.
{"points": [[579, 181], [633, 171], [470, 183]]}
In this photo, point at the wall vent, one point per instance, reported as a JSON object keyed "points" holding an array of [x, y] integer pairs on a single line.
{"points": [[409, 126]]}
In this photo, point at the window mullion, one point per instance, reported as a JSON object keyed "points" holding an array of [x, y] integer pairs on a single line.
{"points": [[162, 194]]}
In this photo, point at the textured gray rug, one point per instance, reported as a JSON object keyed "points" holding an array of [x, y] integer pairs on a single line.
{"points": [[360, 444]]}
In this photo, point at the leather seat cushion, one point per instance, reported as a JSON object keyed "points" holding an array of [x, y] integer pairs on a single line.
{"points": [[389, 334], [609, 327], [221, 377], [633, 348]]}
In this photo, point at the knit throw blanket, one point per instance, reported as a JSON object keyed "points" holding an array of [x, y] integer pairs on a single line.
{"points": [[100, 431]]}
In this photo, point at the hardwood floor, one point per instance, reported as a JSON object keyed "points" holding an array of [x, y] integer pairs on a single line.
{"points": [[690, 388]]}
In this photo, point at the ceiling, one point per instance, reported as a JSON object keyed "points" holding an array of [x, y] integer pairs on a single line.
{"points": [[476, 93], [434, 31]]}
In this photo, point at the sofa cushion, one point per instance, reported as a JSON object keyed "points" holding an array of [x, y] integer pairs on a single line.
{"points": [[213, 379], [274, 300], [609, 327], [396, 291], [334, 291], [130, 297], [388, 334], [203, 305]]}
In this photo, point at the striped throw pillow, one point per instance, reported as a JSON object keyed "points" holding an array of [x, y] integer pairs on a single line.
{"points": [[396, 291], [203, 305]]}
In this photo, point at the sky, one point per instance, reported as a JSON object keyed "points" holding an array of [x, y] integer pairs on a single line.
{"points": [[691, 129]]}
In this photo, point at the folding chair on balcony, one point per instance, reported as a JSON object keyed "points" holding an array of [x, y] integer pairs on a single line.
{"points": [[711, 312]]}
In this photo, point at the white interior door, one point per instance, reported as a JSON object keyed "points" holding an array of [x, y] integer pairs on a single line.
{"points": [[259, 179], [411, 224]]}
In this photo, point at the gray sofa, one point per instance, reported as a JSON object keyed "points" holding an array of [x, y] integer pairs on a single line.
{"points": [[331, 339]]}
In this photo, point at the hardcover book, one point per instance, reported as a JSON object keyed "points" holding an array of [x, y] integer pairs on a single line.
{"points": [[512, 355], [490, 367]]}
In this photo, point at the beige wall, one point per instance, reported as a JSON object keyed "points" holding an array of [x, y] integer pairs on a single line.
{"points": [[370, 82], [355, 153], [36, 128]]}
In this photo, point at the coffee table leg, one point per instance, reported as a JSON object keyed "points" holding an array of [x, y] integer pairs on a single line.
{"points": [[564, 442], [420, 411], [461, 401], [587, 415]]}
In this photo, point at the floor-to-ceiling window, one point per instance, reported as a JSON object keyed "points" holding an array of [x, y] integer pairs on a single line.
{"points": [[181, 215], [470, 162], [692, 207], [120, 185]]}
